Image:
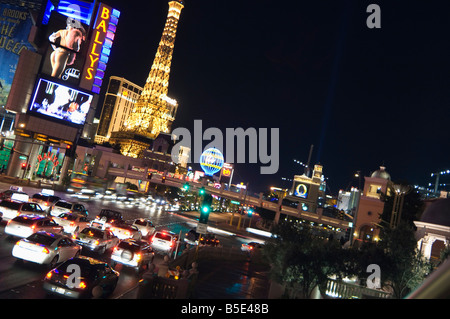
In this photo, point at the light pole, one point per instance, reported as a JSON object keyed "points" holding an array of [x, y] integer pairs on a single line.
{"points": [[399, 196]]}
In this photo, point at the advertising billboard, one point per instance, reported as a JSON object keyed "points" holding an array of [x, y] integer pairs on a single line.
{"points": [[77, 9], [15, 25], [66, 48], [61, 102]]}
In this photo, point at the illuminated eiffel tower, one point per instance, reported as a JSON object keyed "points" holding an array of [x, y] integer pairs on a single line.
{"points": [[154, 112]]}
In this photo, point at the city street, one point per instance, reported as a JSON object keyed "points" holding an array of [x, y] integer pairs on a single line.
{"points": [[24, 280]]}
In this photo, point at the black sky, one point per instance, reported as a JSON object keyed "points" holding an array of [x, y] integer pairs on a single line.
{"points": [[363, 97]]}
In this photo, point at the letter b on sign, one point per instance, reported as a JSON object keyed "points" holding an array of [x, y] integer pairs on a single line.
{"points": [[374, 279]]}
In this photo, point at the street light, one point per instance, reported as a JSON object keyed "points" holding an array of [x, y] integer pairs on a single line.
{"points": [[400, 192]]}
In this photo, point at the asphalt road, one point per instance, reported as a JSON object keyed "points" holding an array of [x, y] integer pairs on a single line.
{"points": [[24, 280]]}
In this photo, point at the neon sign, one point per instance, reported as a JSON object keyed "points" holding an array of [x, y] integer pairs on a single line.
{"points": [[100, 48], [301, 190]]}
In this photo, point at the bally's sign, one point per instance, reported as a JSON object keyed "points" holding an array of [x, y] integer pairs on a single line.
{"points": [[100, 47]]}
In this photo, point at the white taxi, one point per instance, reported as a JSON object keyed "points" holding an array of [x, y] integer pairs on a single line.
{"points": [[72, 223], [164, 241], [125, 231], [26, 225], [145, 226], [46, 248], [94, 239]]}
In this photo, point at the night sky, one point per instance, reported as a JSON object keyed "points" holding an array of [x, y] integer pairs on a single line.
{"points": [[363, 97]]}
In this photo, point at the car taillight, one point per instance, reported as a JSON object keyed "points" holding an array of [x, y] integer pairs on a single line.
{"points": [[115, 248], [72, 224], [45, 250], [74, 236], [96, 243], [137, 257], [49, 275], [33, 227], [82, 285]]}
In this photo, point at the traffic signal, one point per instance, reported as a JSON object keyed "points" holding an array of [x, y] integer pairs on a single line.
{"points": [[149, 175], [186, 186], [23, 166], [205, 209], [202, 191], [163, 179]]}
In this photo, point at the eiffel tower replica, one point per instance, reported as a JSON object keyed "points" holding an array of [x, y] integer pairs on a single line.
{"points": [[154, 112]]}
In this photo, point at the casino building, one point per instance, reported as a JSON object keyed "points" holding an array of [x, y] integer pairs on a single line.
{"points": [[56, 80]]}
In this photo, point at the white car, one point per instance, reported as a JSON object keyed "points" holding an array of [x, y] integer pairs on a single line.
{"points": [[46, 201], [46, 248], [11, 209], [133, 253], [125, 231], [68, 207], [72, 223], [98, 240], [164, 241], [145, 226], [26, 225]]}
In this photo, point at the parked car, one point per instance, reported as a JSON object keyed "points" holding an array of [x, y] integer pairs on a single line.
{"points": [[106, 218], [164, 241], [62, 206], [125, 231], [11, 209], [133, 253], [72, 222], [45, 201], [26, 225], [96, 278], [98, 240], [145, 226], [46, 248]]}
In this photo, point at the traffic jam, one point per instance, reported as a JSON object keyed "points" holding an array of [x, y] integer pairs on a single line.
{"points": [[62, 237]]}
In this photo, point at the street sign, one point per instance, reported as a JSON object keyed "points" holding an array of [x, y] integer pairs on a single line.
{"points": [[202, 228], [235, 202]]}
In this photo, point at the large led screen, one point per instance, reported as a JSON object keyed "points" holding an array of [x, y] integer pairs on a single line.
{"points": [[61, 102], [66, 48]]}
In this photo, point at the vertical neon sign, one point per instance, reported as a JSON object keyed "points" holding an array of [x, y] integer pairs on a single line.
{"points": [[102, 39]]}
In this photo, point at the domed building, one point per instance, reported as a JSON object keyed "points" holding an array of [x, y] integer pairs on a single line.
{"points": [[433, 229], [371, 206]]}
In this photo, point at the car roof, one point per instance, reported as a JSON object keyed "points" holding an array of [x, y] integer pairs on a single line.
{"points": [[49, 234], [31, 216]]}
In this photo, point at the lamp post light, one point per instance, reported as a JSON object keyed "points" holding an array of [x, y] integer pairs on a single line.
{"points": [[400, 192]]}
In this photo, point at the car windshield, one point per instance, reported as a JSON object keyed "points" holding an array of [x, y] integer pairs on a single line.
{"points": [[10, 205], [40, 197], [142, 222], [68, 216], [163, 236], [43, 239], [92, 232], [64, 205], [129, 246]]}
